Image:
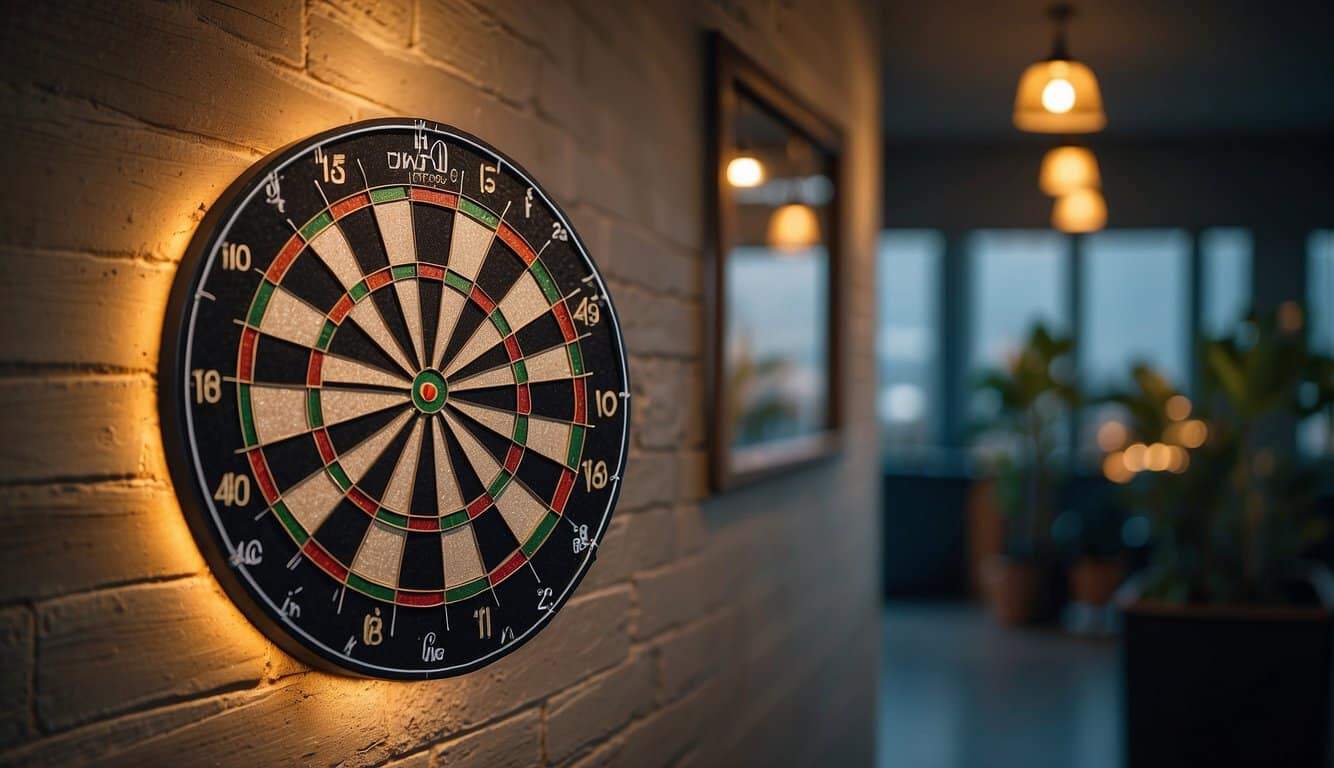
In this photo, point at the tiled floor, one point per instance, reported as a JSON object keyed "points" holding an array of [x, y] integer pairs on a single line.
{"points": [[957, 691]]}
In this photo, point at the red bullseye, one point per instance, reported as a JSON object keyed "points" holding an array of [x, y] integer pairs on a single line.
{"points": [[429, 392]]}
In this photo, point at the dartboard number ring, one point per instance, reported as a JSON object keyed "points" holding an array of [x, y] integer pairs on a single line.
{"points": [[395, 400]]}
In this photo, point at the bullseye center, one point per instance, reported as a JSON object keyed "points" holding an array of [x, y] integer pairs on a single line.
{"points": [[429, 391]]}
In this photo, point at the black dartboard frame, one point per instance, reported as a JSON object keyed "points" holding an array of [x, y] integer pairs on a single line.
{"points": [[386, 496]]}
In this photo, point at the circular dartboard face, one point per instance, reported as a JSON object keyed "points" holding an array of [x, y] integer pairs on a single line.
{"points": [[395, 400]]}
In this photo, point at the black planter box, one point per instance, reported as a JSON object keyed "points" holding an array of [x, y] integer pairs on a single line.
{"points": [[1226, 687]]}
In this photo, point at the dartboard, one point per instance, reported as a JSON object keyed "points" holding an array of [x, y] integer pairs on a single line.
{"points": [[395, 400]]}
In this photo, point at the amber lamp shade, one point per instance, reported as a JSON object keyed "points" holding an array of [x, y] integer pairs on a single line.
{"points": [[1066, 169], [793, 227], [1059, 96], [1080, 212]]}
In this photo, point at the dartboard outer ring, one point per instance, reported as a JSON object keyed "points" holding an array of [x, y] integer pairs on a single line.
{"points": [[192, 489]]}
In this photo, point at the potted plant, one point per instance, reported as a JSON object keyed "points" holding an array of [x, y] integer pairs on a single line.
{"points": [[1227, 633], [1032, 394]]}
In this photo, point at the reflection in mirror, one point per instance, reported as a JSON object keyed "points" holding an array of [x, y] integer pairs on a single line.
{"points": [[777, 281]]}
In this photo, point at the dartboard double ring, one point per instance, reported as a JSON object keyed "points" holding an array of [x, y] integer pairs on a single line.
{"points": [[395, 400]]}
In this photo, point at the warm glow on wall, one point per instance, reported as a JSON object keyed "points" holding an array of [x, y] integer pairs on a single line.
{"points": [[1080, 212], [745, 171], [1067, 169], [793, 227], [1059, 94]]}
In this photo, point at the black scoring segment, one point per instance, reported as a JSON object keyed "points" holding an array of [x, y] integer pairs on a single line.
{"points": [[347, 435], [494, 538], [430, 293], [431, 227], [342, 531], [376, 479], [470, 486], [539, 473], [553, 399], [312, 282], [423, 564], [423, 486], [471, 317], [539, 335], [492, 358], [363, 237], [501, 269], [353, 343], [293, 460], [496, 445], [500, 398], [280, 362]]}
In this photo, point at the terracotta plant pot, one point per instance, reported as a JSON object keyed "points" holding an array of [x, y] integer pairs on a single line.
{"points": [[1093, 580], [1015, 589]]}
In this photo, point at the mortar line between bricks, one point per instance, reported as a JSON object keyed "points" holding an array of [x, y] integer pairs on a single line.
{"points": [[657, 708], [128, 482], [542, 750], [116, 257], [44, 377], [463, 733], [117, 586], [142, 123], [70, 480], [168, 701], [19, 370], [267, 54], [414, 54], [34, 654], [236, 696]]}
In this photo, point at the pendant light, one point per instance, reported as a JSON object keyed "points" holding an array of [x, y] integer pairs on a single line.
{"points": [[793, 227], [1079, 212], [1059, 94], [745, 171], [1068, 168]]}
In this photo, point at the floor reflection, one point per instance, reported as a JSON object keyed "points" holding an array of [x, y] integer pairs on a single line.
{"points": [[957, 690]]}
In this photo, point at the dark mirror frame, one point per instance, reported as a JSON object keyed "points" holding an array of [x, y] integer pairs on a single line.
{"points": [[734, 74]]}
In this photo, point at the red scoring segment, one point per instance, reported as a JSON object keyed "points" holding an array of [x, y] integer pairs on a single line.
{"points": [[563, 320], [314, 370], [347, 205], [511, 565], [245, 364], [260, 467]]}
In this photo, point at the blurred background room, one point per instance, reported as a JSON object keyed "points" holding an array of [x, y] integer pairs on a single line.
{"points": [[1106, 291]]}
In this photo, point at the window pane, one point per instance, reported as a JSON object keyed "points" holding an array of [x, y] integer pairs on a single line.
{"points": [[1018, 279], [1136, 307], [908, 340], [1226, 280], [1314, 436]]}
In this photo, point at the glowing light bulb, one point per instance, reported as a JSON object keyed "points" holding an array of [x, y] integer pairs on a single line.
{"points": [[745, 172], [793, 227], [1058, 96]]}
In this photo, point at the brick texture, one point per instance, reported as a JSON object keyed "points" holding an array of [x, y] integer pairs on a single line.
{"points": [[730, 630]]}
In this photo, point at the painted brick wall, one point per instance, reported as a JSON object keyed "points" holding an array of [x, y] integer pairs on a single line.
{"points": [[718, 631]]}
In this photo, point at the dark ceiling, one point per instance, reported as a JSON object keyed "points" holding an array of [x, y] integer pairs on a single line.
{"points": [[1166, 67]]}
